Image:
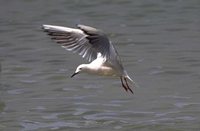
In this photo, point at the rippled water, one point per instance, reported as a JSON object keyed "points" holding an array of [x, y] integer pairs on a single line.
{"points": [[159, 43]]}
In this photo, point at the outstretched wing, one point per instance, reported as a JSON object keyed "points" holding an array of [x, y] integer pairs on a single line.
{"points": [[86, 41], [97, 39]]}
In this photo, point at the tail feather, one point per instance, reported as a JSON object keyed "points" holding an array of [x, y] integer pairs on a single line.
{"points": [[129, 79]]}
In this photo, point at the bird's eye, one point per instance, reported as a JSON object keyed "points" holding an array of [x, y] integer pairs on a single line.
{"points": [[80, 68]]}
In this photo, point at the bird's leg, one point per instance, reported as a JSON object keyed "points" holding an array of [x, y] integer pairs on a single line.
{"points": [[128, 85], [123, 84]]}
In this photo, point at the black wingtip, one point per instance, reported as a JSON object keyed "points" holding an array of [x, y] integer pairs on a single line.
{"points": [[43, 28]]}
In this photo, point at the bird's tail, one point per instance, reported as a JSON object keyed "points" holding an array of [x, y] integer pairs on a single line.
{"points": [[131, 81], [129, 78]]}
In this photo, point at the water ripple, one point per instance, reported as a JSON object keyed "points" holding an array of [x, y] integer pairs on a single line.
{"points": [[31, 125]]}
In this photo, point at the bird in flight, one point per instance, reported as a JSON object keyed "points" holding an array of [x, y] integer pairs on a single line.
{"points": [[94, 45]]}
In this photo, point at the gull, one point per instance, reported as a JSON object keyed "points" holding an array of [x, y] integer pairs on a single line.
{"points": [[93, 45]]}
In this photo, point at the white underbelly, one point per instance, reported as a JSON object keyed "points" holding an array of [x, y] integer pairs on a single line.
{"points": [[105, 70]]}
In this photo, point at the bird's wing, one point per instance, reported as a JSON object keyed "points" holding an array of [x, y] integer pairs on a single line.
{"points": [[98, 40], [73, 40], [86, 41]]}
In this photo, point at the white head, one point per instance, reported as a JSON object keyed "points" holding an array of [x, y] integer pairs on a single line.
{"points": [[79, 69]]}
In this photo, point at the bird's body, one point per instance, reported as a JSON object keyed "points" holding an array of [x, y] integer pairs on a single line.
{"points": [[93, 45], [100, 67]]}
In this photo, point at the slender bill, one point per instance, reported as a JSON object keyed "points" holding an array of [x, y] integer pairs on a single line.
{"points": [[74, 74]]}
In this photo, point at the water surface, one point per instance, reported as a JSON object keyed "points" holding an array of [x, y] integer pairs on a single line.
{"points": [[159, 44]]}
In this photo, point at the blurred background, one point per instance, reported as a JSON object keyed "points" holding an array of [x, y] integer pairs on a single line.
{"points": [[158, 41]]}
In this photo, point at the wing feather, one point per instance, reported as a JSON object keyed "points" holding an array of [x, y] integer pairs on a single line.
{"points": [[72, 39], [85, 41]]}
